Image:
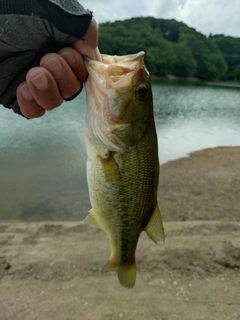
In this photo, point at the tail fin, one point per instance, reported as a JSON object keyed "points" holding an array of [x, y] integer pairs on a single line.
{"points": [[126, 274]]}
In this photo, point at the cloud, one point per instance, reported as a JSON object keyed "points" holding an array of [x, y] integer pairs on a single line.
{"points": [[212, 16], [113, 10], [207, 16]]}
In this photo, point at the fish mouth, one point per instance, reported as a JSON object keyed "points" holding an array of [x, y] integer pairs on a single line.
{"points": [[107, 59], [125, 60], [110, 89], [115, 67]]}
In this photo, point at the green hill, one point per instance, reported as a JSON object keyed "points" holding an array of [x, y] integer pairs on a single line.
{"points": [[172, 47], [230, 48]]}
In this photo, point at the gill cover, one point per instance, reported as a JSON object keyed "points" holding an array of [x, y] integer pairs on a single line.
{"points": [[118, 100]]}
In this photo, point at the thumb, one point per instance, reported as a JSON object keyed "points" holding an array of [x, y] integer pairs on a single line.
{"points": [[88, 45]]}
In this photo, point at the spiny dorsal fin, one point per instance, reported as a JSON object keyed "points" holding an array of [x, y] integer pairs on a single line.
{"points": [[126, 274], [91, 219], [154, 228]]}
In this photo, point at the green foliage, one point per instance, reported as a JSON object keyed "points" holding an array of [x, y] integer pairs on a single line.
{"points": [[236, 73], [163, 58], [185, 65], [211, 65], [230, 47], [171, 47]]}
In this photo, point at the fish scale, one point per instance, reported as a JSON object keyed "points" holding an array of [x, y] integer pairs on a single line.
{"points": [[122, 158]]}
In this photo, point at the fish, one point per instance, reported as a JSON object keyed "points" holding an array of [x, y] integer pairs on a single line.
{"points": [[122, 158]]}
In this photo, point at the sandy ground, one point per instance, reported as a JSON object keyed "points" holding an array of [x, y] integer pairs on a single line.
{"points": [[52, 270]]}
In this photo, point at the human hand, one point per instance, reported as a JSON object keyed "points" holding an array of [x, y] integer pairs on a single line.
{"points": [[43, 46], [59, 77]]}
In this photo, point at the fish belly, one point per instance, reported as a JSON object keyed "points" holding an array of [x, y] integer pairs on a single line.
{"points": [[123, 188]]}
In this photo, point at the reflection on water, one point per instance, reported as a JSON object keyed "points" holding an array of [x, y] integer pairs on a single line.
{"points": [[194, 116], [42, 161], [42, 165]]}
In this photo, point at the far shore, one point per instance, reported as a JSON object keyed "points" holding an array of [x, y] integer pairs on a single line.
{"points": [[171, 77]]}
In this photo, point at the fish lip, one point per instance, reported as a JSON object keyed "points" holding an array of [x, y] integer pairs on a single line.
{"points": [[112, 63], [108, 59], [116, 58], [117, 69], [113, 75]]}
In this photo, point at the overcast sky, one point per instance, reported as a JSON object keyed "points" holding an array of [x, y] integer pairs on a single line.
{"points": [[206, 16]]}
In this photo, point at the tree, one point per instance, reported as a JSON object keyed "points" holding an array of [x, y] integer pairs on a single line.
{"points": [[230, 48], [236, 73], [164, 58], [185, 65], [172, 47], [211, 65]]}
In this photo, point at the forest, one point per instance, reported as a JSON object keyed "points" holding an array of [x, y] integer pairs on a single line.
{"points": [[171, 47]]}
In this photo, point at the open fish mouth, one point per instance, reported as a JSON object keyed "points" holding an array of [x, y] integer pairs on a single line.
{"points": [[110, 90], [130, 59], [115, 67]]}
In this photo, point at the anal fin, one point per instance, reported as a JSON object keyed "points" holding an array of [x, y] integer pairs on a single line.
{"points": [[154, 228]]}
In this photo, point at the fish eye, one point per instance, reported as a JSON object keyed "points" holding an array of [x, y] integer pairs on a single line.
{"points": [[141, 91]]}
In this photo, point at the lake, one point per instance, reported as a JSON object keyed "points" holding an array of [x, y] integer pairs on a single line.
{"points": [[42, 161]]}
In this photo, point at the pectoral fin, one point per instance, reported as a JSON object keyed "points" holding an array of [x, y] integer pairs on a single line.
{"points": [[91, 219], [110, 168], [154, 228]]}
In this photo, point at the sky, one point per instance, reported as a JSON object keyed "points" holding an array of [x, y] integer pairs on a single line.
{"points": [[206, 16]]}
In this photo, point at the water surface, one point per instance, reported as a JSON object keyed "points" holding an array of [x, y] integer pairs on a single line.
{"points": [[195, 116], [42, 161]]}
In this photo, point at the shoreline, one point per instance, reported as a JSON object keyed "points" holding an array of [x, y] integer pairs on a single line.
{"points": [[51, 270], [173, 78]]}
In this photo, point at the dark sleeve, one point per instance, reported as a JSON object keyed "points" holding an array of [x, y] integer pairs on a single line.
{"points": [[28, 30]]}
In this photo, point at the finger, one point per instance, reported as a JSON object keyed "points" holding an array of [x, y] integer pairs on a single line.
{"points": [[75, 60], [43, 88], [66, 80], [97, 54], [88, 45], [29, 107]]}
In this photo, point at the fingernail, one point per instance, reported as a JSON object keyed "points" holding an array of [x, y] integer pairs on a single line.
{"points": [[40, 81], [55, 67], [26, 93]]}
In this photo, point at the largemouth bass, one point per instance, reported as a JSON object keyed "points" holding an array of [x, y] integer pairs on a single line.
{"points": [[122, 158]]}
